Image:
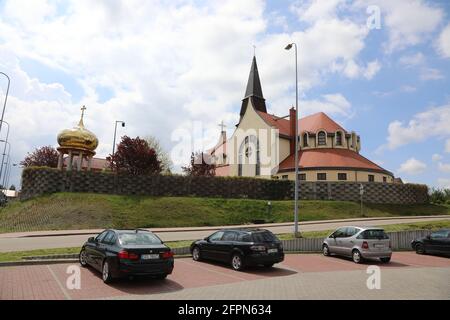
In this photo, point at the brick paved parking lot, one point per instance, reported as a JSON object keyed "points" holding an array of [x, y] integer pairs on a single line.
{"points": [[325, 277]]}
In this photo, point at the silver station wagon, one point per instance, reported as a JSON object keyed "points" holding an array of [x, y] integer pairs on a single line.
{"points": [[359, 243]]}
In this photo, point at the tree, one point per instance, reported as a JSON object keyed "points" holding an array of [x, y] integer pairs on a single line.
{"points": [[134, 156], [43, 157], [200, 166], [163, 156]]}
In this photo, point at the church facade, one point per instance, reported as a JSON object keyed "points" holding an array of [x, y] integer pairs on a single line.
{"points": [[263, 145]]}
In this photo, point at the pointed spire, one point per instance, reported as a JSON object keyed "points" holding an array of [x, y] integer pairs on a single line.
{"points": [[253, 92], [254, 84]]}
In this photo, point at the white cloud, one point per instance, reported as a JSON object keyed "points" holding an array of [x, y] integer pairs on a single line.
{"points": [[431, 74], [412, 166], [313, 10], [332, 104], [443, 42], [436, 157], [412, 59], [372, 69], [444, 167], [409, 22], [424, 125]]}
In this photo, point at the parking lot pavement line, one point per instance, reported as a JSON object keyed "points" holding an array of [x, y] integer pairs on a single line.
{"points": [[66, 294], [215, 271]]}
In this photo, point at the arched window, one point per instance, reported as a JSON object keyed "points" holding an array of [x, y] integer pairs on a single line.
{"points": [[305, 139], [339, 138], [322, 138], [249, 153]]}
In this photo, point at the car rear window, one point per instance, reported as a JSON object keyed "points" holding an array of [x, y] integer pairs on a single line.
{"points": [[138, 238], [373, 235], [265, 236]]}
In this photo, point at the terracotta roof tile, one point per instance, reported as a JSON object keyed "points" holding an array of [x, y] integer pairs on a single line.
{"points": [[311, 123], [337, 158]]}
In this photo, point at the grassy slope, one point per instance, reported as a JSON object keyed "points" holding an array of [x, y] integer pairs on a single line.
{"points": [[83, 210], [17, 255]]}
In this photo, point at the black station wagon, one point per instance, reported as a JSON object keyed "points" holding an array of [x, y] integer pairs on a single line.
{"points": [[240, 248]]}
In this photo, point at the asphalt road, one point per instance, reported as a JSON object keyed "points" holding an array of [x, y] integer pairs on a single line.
{"points": [[22, 242]]}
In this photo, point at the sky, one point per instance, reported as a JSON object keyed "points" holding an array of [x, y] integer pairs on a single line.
{"points": [[168, 68]]}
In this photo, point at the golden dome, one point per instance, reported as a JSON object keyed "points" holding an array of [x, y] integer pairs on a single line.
{"points": [[78, 138]]}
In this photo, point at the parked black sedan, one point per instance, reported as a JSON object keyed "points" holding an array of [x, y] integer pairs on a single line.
{"points": [[438, 242], [118, 253], [240, 248]]}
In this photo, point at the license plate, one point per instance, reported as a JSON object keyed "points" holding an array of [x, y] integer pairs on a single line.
{"points": [[149, 256], [272, 250], [379, 245]]}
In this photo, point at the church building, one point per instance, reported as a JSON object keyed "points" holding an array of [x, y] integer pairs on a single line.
{"points": [[263, 145]]}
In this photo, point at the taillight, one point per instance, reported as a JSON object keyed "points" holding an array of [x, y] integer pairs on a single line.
{"points": [[127, 255], [365, 245], [258, 248], [167, 254]]}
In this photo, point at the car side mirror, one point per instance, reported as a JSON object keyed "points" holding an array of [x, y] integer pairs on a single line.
{"points": [[91, 240], [206, 239]]}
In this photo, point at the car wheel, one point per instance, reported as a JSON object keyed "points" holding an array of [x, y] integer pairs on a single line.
{"points": [[420, 249], [385, 260], [106, 273], [325, 250], [268, 265], [83, 259], [196, 254], [237, 262], [356, 256]]}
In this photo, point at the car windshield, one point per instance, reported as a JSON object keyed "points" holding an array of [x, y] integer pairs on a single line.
{"points": [[374, 234], [265, 236], [138, 238]]}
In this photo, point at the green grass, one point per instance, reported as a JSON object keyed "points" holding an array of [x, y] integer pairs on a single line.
{"points": [[429, 225], [61, 211], [18, 255]]}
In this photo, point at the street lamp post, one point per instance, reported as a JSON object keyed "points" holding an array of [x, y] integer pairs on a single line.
{"points": [[4, 149], [4, 176], [3, 157], [296, 231], [6, 99], [7, 173], [115, 131]]}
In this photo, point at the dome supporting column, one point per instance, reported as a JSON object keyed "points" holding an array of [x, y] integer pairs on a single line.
{"points": [[70, 160], [89, 163], [60, 160], [80, 161]]}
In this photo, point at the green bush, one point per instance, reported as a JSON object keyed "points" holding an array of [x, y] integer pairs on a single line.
{"points": [[440, 196]]}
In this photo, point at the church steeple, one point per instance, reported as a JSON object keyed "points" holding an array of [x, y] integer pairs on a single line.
{"points": [[254, 84], [253, 91]]}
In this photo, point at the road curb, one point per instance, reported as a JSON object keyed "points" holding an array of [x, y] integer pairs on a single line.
{"points": [[35, 262]]}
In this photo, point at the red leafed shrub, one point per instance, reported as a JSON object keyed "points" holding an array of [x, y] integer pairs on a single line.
{"points": [[43, 157], [134, 156]]}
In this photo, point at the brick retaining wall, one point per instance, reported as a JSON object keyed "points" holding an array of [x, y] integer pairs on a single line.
{"points": [[38, 181]]}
